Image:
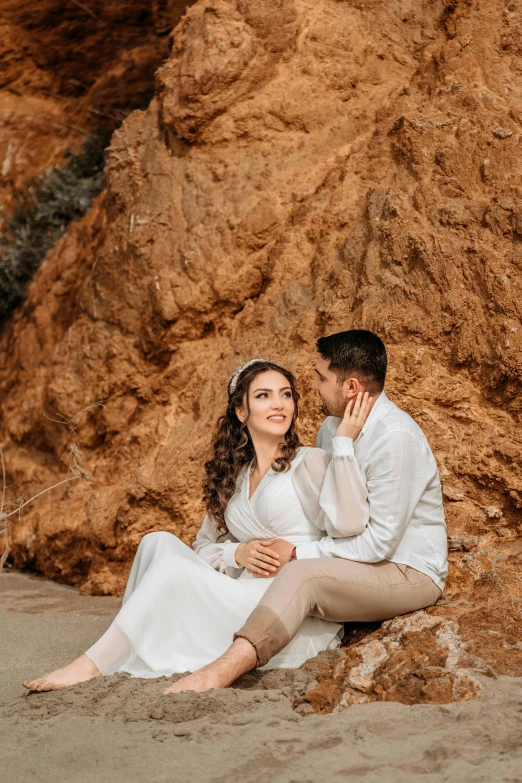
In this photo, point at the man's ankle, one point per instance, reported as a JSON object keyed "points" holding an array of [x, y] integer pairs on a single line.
{"points": [[245, 650], [239, 659]]}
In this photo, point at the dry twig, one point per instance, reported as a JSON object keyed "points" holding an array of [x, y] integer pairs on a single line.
{"points": [[84, 8], [76, 471]]}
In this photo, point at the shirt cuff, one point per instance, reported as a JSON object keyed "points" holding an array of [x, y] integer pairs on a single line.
{"points": [[307, 551], [342, 447], [229, 551]]}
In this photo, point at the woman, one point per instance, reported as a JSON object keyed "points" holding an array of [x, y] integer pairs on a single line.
{"points": [[182, 606]]}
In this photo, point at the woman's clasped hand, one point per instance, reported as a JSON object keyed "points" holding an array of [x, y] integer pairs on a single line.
{"points": [[355, 415], [257, 558]]}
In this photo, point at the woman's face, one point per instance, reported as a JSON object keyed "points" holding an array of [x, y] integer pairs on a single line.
{"points": [[271, 405]]}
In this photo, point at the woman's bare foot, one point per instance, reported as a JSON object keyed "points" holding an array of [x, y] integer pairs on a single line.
{"points": [[80, 670]]}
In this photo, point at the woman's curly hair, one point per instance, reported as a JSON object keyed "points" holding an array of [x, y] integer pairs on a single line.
{"points": [[233, 447]]}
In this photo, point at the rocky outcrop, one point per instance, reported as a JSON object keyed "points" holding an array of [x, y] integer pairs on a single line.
{"points": [[418, 659], [69, 69], [303, 168]]}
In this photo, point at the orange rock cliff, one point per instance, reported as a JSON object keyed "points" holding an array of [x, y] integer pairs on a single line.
{"points": [[303, 167]]}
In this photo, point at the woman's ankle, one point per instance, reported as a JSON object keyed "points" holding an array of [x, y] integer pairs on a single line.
{"points": [[87, 665]]}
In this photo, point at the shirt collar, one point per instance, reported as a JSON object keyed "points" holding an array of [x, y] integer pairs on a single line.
{"points": [[380, 406]]}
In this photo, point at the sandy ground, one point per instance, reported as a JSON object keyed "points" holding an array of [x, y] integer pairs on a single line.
{"points": [[123, 729]]}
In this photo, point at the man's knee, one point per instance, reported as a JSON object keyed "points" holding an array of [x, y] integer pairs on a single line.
{"points": [[295, 583], [294, 575]]}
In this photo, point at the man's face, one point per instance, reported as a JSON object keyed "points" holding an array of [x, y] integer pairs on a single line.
{"points": [[330, 390]]}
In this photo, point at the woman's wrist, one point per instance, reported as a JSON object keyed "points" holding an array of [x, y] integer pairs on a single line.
{"points": [[237, 554]]}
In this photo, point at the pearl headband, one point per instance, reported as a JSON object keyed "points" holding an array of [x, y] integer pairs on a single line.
{"points": [[239, 369]]}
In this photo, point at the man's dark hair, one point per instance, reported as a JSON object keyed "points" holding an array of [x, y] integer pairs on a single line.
{"points": [[357, 353]]}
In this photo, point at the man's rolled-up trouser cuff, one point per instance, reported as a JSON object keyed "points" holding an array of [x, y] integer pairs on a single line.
{"points": [[266, 632]]}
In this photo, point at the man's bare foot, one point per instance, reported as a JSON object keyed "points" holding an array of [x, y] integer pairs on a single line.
{"points": [[240, 658], [199, 682], [80, 670]]}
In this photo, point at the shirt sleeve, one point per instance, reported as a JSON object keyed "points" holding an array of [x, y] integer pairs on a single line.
{"points": [[332, 490], [396, 480], [217, 550]]}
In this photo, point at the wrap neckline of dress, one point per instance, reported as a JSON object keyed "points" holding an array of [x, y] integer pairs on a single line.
{"points": [[249, 497]]}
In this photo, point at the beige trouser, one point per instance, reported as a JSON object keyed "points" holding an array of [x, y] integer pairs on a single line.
{"points": [[337, 590]]}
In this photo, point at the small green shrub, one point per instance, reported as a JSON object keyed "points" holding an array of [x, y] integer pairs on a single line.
{"points": [[42, 212]]}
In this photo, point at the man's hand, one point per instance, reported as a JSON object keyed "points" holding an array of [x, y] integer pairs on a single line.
{"points": [[258, 558], [354, 417]]}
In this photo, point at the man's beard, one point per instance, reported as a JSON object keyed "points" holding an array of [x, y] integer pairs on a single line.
{"points": [[336, 408]]}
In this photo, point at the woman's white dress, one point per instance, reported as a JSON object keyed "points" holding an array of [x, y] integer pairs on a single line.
{"points": [[182, 606]]}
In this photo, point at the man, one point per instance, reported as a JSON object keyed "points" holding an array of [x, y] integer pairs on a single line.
{"points": [[398, 564]]}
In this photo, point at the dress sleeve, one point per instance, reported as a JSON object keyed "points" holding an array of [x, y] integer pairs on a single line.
{"points": [[332, 490], [217, 550]]}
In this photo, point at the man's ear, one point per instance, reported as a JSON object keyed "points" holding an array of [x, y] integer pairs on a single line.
{"points": [[351, 388]]}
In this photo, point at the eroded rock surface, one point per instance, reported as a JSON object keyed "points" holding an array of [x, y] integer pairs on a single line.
{"points": [[305, 167], [69, 69], [414, 659]]}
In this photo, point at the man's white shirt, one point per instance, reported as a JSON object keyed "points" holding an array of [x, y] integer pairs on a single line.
{"points": [[403, 517]]}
